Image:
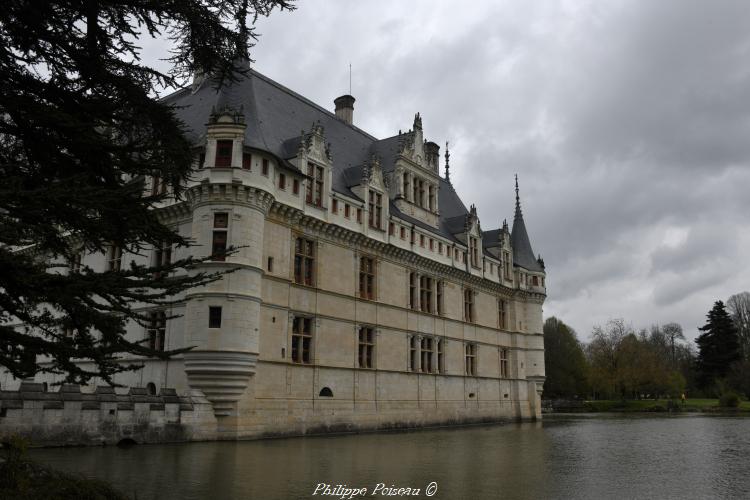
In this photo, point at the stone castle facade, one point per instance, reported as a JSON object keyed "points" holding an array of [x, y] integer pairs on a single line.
{"points": [[365, 294]]}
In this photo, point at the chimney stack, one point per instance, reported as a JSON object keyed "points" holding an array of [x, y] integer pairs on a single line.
{"points": [[345, 108]]}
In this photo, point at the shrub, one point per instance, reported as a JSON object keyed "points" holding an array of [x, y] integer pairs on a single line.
{"points": [[729, 400]]}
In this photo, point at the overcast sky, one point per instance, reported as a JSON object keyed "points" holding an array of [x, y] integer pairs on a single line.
{"points": [[627, 122]]}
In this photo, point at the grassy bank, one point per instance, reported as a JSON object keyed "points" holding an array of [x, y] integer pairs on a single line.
{"points": [[657, 405]]}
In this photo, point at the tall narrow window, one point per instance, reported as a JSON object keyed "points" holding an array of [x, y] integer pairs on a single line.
{"points": [[359, 215], [347, 210], [474, 249], [426, 351], [504, 362], [406, 185], [282, 181], [431, 191], [502, 307], [223, 154], [301, 339], [367, 278], [158, 186], [425, 294], [391, 229], [162, 256], [413, 290], [295, 186], [214, 317], [376, 209], [366, 347], [471, 359], [335, 206], [247, 161], [441, 356], [75, 262], [506, 265], [535, 280], [469, 305], [304, 261], [264, 167], [219, 242], [157, 328], [439, 299], [114, 258], [402, 232], [413, 353], [315, 185]]}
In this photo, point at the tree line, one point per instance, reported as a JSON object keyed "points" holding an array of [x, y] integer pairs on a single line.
{"points": [[622, 363]]}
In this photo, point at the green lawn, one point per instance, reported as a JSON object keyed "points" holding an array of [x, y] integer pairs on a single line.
{"points": [[659, 405]]}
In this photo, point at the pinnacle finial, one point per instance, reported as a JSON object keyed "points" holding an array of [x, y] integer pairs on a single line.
{"points": [[518, 201], [447, 164]]}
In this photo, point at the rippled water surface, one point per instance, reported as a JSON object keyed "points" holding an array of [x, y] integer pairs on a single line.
{"points": [[586, 457]]}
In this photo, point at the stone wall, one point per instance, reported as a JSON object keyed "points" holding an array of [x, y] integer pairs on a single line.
{"points": [[69, 417]]}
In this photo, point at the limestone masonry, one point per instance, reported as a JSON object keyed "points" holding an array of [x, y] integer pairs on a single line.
{"points": [[365, 296]]}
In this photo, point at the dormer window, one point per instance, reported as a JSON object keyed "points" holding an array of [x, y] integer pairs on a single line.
{"points": [[315, 185], [376, 209], [223, 154], [474, 248]]}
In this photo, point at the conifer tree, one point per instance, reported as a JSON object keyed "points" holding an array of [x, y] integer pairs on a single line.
{"points": [[81, 127], [718, 345]]}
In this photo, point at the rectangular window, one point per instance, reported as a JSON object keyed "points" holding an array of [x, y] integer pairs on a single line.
{"points": [[413, 290], [441, 356], [474, 249], [214, 317], [74, 263], [367, 278], [295, 186], [471, 359], [426, 353], [432, 243], [270, 264], [315, 185], [114, 258], [421, 240], [391, 229], [468, 305], [502, 307], [432, 198], [247, 161], [413, 236], [264, 167], [456, 254], [413, 354], [359, 215], [282, 181], [402, 232], [376, 209], [535, 280], [506, 265], [425, 294], [219, 242], [406, 185], [335, 206], [223, 154], [157, 328], [440, 247], [365, 356], [504, 363], [301, 339], [439, 298], [162, 256], [304, 261], [158, 186], [347, 210]]}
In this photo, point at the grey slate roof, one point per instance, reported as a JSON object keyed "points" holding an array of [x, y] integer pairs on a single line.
{"points": [[277, 118], [523, 255]]}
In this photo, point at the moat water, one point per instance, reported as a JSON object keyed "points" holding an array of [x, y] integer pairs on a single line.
{"points": [[577, 456]]}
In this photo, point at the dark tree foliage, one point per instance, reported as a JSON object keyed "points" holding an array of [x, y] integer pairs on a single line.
{"points": [[718, 345], [564, 361], [81, 126]]}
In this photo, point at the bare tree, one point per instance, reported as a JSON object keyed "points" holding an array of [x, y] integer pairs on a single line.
{"points": [[673, 332], [739, 308]]}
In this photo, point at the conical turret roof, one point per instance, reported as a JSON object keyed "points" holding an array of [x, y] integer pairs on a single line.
{"points": [[523, 255]]}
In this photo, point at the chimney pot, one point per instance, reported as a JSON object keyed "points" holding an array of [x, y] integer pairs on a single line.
{"points": [[345, 108]]}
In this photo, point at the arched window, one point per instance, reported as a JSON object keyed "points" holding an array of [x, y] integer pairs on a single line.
{"points": [[151, 389], [326, 392]]}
